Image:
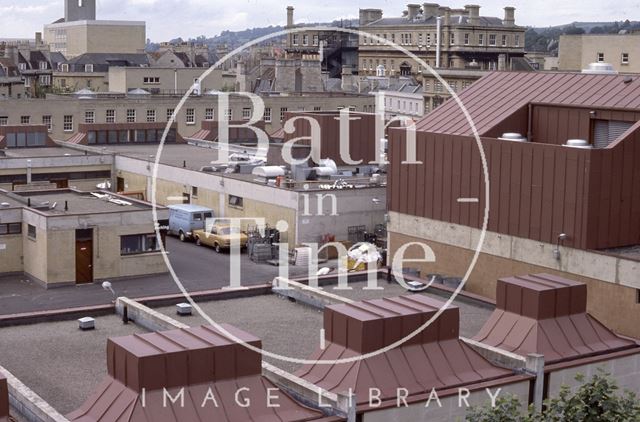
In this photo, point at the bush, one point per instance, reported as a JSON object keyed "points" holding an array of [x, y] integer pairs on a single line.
{"points": [[598, 400]]}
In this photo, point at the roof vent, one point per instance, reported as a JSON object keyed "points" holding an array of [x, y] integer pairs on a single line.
{"points": [[578, 143], [512, 136], [5, 205], [600, 69]]}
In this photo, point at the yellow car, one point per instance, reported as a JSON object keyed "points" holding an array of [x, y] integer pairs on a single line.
{"points": [[220, 237]]}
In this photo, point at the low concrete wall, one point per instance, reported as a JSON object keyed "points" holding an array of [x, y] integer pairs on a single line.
{"points": [[450, 407], [27, 405], [624, 369], [146, 317]]}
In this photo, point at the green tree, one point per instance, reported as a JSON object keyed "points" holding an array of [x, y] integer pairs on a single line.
{"points": [[598, 400]]}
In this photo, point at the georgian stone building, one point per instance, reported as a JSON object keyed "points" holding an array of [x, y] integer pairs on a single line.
{"points": [[467, 40]]}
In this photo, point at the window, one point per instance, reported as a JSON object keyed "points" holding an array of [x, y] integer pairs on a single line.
{"points": [[22, 66], [151, 80], [236, 201], [452, 38], [4, 120], [305, 39], [46, 120], [45, 80], [267, 114], [111, 116], [169, 113], [438, 86], [151, 116], [194, 191], [89, 117], [294, 39], [138, 244], [316, 40], [191, 116], [317, 108], [31, 231], [600, 57], [466, 39], [10, 228], [88, 68], [131, 115], [25, 120], [67, 124], [504, 40], [209, 113], [229, 115], [246, 113], [492, 39], [517, 40], [64, 67], [283, 110], [625, 58], [63, 83], [480, 39]]}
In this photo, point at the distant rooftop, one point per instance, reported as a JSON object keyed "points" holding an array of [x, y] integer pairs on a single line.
{"points": [[79, 202]]}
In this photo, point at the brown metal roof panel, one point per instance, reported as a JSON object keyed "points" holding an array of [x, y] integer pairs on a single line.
{"points": [[4, 397], [404, 371], [446, 374], [521, 331]]}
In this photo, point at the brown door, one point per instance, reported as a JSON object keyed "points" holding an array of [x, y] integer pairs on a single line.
{"points": [[84, 256], [120, 184], [61, 184], [186, 198]]}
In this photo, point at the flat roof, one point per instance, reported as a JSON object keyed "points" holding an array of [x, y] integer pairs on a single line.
{"points": [[42, 152], [60, 363], [79, 202], [293, 329]]}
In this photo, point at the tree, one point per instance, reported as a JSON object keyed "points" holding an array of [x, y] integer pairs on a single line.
{"points": [[595, 401]]}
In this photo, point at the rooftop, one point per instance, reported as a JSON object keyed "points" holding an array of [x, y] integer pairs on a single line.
{"points": [[80, 202]]}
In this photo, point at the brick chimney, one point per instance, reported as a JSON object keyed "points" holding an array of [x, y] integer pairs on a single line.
{"points": [[509, 16], [473, 10]]}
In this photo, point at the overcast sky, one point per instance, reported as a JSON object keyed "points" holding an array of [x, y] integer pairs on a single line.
{"points": [[167, 19]]}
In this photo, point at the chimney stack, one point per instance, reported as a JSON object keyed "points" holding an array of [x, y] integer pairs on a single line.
{"points": [[430, 9], [38, 39], [509, 16], [473, 10], [369, 15], [412, 11], [289, 16]]}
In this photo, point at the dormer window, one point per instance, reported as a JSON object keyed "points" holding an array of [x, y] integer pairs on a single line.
{"points": [[44, 65], [88, 68], [22, 66]]}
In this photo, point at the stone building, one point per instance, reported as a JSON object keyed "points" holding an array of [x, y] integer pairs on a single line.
{"points": [[622, 51], [442, 37]]}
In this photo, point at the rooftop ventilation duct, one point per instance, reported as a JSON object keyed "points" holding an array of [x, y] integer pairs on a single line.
{"points": [[547, 314], [578, 143], [600, 69], [364, 327], [514, 137], [268, 172]]}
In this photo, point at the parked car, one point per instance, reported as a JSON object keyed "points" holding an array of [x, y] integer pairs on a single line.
{"points": [[219, 237], [185, 219]]}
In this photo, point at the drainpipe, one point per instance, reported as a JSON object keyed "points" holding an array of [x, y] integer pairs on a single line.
{"points": [[438, 42], [175, 81], [28, 172]]}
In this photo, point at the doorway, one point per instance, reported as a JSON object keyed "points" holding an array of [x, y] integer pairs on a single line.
{"points": [[84, 256], [120, 186]]}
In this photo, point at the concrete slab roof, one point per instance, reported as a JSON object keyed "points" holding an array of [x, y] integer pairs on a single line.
{"points": [[60, 363], [294, 329], [78, 203], [42, 152]]}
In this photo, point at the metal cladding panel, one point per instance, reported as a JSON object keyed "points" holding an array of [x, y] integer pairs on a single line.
{"points": [[549, 317], [4, 397], [181, 357], [434, 359]]}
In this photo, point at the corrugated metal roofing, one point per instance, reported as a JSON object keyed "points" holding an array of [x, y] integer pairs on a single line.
{"points": [[436, 358], [215, 372], [493, 98], [547, 314]]}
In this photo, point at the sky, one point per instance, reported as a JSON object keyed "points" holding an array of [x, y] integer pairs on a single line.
{"points": [[168, 19]]}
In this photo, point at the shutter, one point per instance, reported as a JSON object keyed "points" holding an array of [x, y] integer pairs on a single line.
{"points": [[601, 133], [617, 129]]}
